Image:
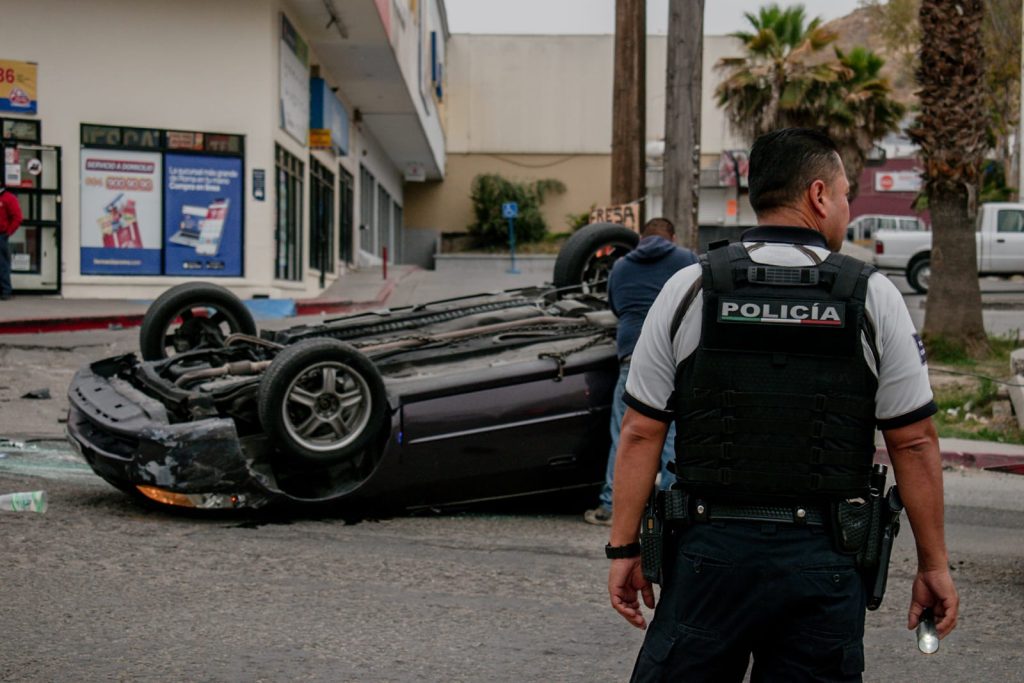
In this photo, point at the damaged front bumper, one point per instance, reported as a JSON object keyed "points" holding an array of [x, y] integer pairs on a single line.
{"points": [[128, 439]]}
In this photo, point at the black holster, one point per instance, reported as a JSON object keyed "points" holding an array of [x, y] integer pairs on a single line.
{"points": [[652, 540], [867, 528]]}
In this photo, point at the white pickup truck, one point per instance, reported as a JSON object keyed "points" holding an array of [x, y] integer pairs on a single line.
{"points": [[1000, 240]]}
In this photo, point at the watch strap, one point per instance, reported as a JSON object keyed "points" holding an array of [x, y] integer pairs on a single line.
{"points": [[619, 552]]}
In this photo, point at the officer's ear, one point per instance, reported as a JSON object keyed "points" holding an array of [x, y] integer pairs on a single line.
{"points": [[817, 199]]}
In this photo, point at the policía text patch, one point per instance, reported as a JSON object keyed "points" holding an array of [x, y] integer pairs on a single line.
{"points": [[782, 312]]}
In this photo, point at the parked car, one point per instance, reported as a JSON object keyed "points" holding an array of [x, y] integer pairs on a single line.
{"points": [[450, 402], [1000, 241], [862, 229]]}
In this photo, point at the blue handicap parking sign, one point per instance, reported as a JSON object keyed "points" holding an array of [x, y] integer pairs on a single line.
{"points": [[509, 210]]}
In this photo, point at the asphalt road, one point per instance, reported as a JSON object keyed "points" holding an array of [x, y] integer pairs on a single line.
{"points": [[98, 588]]}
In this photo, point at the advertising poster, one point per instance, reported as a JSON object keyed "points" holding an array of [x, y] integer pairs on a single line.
{"points": [[294, 84], [18, 87], [121, 213], [202, 215]]}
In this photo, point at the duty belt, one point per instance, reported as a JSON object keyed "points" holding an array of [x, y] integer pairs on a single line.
{"points": [[678, 506]]}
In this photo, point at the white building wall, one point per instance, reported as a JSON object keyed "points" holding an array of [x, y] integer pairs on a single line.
{"points": [[191, 65], [186, 65], [553, 94]]}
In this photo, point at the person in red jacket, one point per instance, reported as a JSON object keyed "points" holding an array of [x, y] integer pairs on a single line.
{"points": [[10, 221]]}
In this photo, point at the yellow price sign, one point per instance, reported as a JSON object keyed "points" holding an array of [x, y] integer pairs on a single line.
{"points": [[17, 86]]}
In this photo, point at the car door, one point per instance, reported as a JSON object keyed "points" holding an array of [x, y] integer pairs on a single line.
{"points": [[1005, 252]]}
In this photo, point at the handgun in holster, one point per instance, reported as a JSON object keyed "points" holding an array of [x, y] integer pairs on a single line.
{"points": [[651, 540], [892, 508]]}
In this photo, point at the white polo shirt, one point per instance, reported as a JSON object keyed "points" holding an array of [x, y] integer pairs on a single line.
{"points": [[904, 395]]}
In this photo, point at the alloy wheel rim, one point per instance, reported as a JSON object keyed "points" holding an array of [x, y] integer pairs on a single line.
{"points": [[327, 406]]}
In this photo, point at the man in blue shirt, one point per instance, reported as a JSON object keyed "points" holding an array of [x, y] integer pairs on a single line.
{"points": [[634, 283]]}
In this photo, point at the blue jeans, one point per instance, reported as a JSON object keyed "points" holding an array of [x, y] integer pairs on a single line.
{"points": [[5, 267], [668, 452]]}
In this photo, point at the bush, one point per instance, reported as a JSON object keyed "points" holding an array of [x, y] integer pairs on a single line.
{"points": [[575, 221], [490, 191]]}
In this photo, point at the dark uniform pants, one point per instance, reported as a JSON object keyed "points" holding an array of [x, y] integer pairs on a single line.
{"points": [[779, 593]]}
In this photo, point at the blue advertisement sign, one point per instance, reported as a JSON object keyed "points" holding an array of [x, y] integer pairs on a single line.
{"points": [[327, 113], [202, 215]]}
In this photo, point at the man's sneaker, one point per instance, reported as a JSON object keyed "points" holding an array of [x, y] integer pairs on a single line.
{"points": [[601, 516]]}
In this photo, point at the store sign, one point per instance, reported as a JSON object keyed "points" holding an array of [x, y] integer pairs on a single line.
{"points": [[18, 87], [623, 214], [294, 82], [202, 215], [320, 138], [328, 113], [898, 181], [120, 218]]}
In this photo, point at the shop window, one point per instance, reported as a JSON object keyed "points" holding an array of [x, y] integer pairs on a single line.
{"points": [[367, 191], [384, 223], [396, 231], [346, 200], [288, 235], [321, 217]]}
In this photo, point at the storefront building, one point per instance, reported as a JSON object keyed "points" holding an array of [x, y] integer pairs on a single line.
{"points": [[263, 144]]}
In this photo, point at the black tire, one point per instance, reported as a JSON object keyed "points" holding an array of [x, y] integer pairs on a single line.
{"points": [[918, 275], [307, 415], [161, 336], [587, 257]]}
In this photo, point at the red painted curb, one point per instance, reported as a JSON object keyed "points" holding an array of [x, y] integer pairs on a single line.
{"points": [[984, 461], [101, 322]]}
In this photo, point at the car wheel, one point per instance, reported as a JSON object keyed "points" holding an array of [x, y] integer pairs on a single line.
{"points": [[191, 316], [322, 401], [919, 274], [587, 257]]}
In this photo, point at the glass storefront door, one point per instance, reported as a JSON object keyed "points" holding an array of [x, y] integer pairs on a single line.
{"points": [[33, 175]]}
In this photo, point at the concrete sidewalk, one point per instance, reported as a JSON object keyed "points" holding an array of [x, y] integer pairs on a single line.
{"points": [[353, 291]]}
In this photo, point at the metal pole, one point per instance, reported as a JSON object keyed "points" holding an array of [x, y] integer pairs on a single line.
{"points": [[384, 259], [512, 245]]}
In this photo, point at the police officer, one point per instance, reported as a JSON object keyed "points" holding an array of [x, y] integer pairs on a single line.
{"points": [[776, 359]]}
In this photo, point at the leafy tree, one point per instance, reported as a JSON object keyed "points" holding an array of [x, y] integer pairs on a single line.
{"points": [[950, 130], [784, 81], [490, 191]]}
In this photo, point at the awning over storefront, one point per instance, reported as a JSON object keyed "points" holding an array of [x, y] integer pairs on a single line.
{"points": [[375, 53]]}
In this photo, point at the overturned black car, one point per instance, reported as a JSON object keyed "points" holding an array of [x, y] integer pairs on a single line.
{"points": [[456, 401]]}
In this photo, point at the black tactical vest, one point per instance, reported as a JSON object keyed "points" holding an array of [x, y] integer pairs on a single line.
{"points": [[777, 402]]}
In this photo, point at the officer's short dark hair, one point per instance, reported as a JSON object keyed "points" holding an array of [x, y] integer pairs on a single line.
{"points": [[785, 162], [659, 225]]}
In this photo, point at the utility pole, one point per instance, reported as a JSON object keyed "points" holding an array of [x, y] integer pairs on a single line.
{"points": [[629, 109], [681, 185], [1020, 120]]}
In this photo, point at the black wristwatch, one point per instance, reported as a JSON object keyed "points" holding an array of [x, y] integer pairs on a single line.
{"points": [[619, 552]]}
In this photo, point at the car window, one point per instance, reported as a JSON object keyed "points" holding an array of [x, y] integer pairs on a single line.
{"points": [[909, 224], [887, 224], [1010, 220]]}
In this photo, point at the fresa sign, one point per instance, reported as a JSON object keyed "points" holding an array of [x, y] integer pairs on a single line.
{"points": [[624, 214]]}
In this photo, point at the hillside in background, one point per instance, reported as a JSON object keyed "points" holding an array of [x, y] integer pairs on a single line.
{"points": [[855, 29]]}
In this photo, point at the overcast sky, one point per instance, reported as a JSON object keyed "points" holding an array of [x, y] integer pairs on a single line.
{"points": [[598, 16]]}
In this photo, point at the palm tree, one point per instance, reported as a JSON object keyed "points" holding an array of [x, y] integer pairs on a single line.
{"points": [[856, 109], [761, 87], [784, 81], [950, 130]]}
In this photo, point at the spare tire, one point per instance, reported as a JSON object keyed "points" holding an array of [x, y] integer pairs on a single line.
{"points": [[322, 401], [190, 316], [586, 259]]}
